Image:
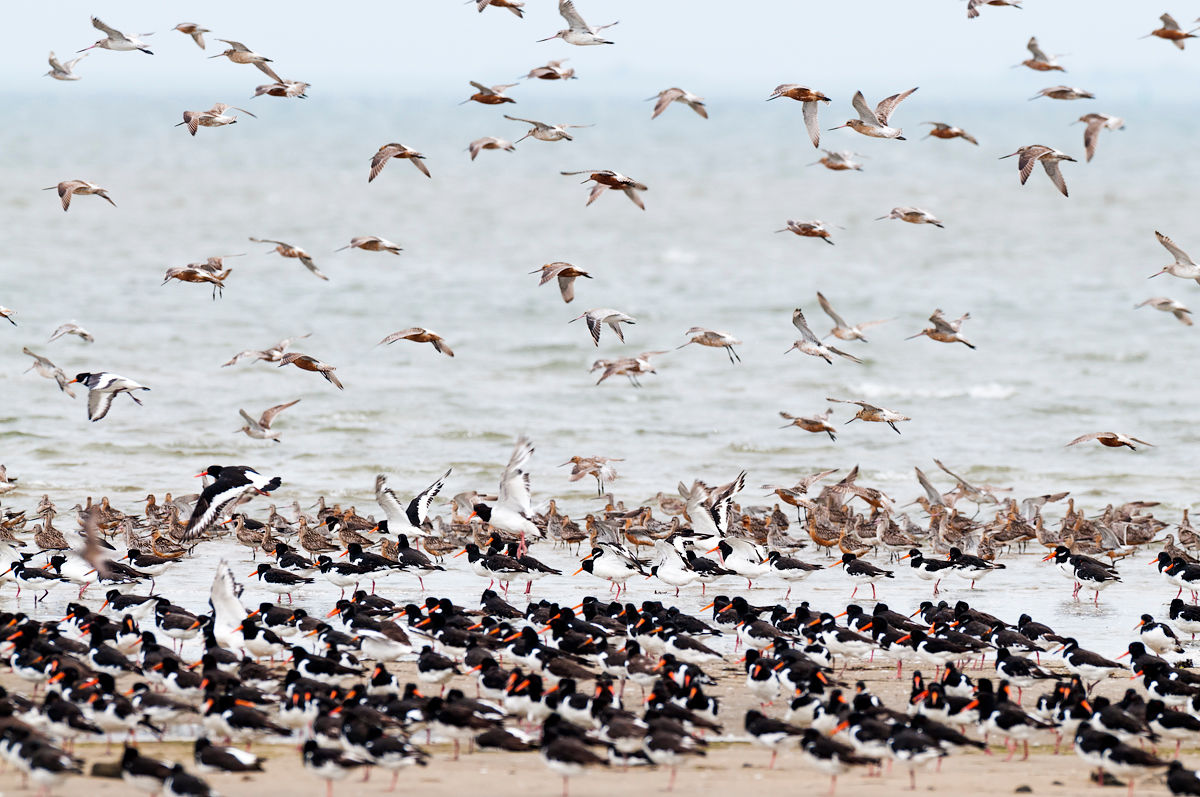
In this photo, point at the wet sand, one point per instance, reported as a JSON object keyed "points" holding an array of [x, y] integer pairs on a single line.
{"points": [[731, 764]]}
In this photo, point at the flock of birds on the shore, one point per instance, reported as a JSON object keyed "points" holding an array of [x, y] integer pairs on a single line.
{"points": [[337, 698], [551, 677]]}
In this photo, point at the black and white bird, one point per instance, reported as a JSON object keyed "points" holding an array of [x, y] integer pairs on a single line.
{"points": [[102, 388], [971, 567], [230, 482], [513, 510], [770, 732], [329, 763], [929, 569], [862, 572], [408, 519]]}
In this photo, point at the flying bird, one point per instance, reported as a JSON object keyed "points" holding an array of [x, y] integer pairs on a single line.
{"points": [[944, 331], [913, 216], [875, 123], [811, 423], [213, 117], [1166, 305], [230, 483], [1064, 93], [553, 70], [199, 274], [667, 96], [973, 5], [578, 32], [604, 315], [7, 313], [1095, 123], [713, 338], [566, 275], [1110, 440], [615, 181], [511, 5], [48, 370], [371, 243], [419, 335], [283, 88], [389, 151], [1183, 267], [1171, 32], [810, 345], [839, 161], [873, 414], [809, 99], [1039, 61], [117, 41], [241, 54], [71, 328], [103, 388], [489, 95], [544, 132], [68, 188], [62, 70], [808, 229], [943, 130], [260, 429], [308, 363], [193, 30], [1049, 158], [842, 330], [287, 250], [272, 355], [489, 142]]}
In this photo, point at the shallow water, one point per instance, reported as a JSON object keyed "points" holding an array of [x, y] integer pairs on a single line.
{"points": [[1050, 284]]}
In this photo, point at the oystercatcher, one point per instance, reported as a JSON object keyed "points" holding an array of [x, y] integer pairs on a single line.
{"points": [[103, 389], [408, 519], [831, 756], [928, 569], [329, 763], [277, 580], [230, 482], [769, 732], [971, 567], [862, 572]]}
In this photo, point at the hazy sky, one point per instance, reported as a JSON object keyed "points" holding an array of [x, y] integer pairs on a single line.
{"points": [[405, 47]]}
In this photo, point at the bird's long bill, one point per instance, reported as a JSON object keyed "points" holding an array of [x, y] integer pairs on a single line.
{"points": [[839, 127], [1050, 556], [460, 553], [252, 574], [1159, 274], [835, 564], [342, 555], [909, 556], [713, 550]]}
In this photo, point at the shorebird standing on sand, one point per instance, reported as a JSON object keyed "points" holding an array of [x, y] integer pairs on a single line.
{"points": [[607, 178], [62, 71], [1183, 267], [1095, 123], [715, 339], [599, 316], [117, 41], [873, 414], [875, 123], [565, 273], [944, 331], [810, 345], [668, 96], [68, 188], [1049, 158], [578, 32], [1167, 305], [809, 98]]}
